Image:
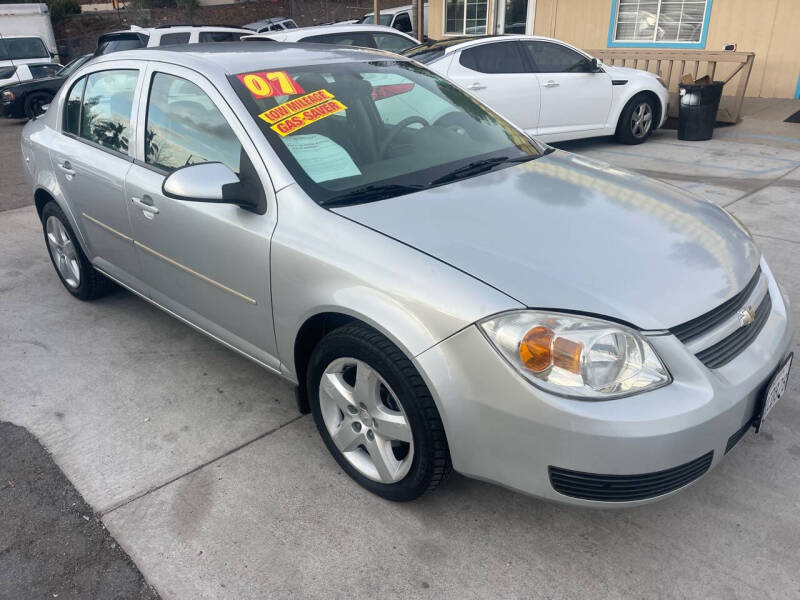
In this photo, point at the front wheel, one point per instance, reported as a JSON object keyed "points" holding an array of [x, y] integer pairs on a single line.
{"points": [[35, 102], [637, 120], [376, 415]]}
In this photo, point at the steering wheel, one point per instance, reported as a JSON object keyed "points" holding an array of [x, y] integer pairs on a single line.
{"points": [[397, 129]]}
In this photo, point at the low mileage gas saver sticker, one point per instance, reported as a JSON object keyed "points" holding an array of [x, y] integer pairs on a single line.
{"points": [[299, 112]]}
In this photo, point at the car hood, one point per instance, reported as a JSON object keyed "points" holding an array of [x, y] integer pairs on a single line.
{"points": [[576, 234], [626, 72]]}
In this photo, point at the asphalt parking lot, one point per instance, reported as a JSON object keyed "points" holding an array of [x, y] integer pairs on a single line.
{"points": [[199, 464]]}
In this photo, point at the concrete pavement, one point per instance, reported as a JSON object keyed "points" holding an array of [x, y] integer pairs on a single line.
{"points": [[217, 488]]}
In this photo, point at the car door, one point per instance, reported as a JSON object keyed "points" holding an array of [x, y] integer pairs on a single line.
{"points": [[91, 157], [495, 73], [573, 98], [207, 263]]}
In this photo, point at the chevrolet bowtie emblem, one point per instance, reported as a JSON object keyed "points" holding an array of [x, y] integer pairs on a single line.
{"points": [[746, 316]]}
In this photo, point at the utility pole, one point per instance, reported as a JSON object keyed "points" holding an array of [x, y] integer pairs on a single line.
{"points": [[376, 12], [419, 26]]}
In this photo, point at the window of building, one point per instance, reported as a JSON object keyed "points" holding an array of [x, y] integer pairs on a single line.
{"points": [[668, 22], [465, 17]]}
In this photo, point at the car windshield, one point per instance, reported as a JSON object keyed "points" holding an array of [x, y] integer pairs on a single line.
{"points": [[370, 19], [22, 47], [362, 131], [71, 66]]}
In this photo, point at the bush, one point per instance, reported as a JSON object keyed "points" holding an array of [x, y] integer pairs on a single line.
{"points": [[63, 8]]}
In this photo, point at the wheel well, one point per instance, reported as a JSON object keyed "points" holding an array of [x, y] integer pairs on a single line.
{"points": [[311, 332], [656, 104], [41, 197]]}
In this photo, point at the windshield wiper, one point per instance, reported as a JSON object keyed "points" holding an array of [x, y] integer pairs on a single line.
{"points": [[479, 166], [370, 193]]}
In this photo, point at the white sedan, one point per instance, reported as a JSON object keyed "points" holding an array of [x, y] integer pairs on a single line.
{"points": [[550, 89]]}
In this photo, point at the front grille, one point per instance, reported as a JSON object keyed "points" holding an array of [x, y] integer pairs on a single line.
{"points": [[625, 488], [729, 348], [738, 435], [708, 321]]}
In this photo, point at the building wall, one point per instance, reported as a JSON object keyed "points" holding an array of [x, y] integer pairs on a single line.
{"points": [[766, 27]]}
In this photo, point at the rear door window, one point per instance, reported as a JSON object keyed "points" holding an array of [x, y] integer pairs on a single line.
{"points": [[403, 23], [354, 38], [170, 39], [220, 36], [392, 42], [106, 108], [184, 127], [118, 43], [499, 57]]}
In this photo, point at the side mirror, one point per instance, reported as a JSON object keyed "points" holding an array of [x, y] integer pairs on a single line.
{"points": [[206, 182], [596, 65]]}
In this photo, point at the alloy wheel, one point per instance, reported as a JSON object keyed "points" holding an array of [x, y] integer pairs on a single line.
{"points": [[62, 249], [641, 120], [365, 420]]}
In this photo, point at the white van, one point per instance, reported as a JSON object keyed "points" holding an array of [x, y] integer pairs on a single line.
{"points": [[26, 38], [400, 18]]}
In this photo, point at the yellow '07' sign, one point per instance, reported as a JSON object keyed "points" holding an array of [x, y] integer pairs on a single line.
{"points": [[307, 117]]}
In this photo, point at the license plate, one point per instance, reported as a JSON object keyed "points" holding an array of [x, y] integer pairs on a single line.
{"points": [[775, 389]]}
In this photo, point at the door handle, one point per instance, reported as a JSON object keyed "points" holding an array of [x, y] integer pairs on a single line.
{"points": [[551, 84], [66, 166], [476, 86], [145, 204]]}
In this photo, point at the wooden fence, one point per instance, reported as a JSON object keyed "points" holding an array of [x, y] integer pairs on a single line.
{"points": [[731, 67]]}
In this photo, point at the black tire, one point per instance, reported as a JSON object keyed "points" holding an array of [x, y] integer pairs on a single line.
{"points": [[92, 284], [34, 102], [431, 460], [625, 126]]}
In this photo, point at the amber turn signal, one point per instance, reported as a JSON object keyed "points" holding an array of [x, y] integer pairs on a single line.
{"points": [[538, 350]]}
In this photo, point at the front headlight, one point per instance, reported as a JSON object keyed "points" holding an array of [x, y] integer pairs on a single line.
{"points": [[6, 96], [576, 356]]}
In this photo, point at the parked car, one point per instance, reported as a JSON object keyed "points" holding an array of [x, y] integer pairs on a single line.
{"points": [[22, 58], [166, 35], [550, 89], [272, 24], [438, 291], [28, 21], [26, 72], [26, 100], [400, 18], [366, 36]]}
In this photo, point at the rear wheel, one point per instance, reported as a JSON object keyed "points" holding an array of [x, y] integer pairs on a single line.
{"points": [[34, 103], [637, 120], [375, 414], [73, 268]]}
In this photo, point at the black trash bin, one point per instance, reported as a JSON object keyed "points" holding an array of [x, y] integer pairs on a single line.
{"points": [[697, 112]]}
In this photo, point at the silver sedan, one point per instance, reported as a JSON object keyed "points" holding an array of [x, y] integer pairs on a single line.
{"points": [[444, 291]]}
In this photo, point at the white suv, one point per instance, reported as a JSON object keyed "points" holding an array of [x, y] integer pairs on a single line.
{"points": [[366, 36], [166, 35]]}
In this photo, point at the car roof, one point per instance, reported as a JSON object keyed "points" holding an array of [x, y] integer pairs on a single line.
{"points": [[301, 32], [458, 43], [230, 58], [394, 10], [267, 21]]}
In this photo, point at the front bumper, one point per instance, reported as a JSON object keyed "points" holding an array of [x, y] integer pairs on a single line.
{"points": [[502, 429]]}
